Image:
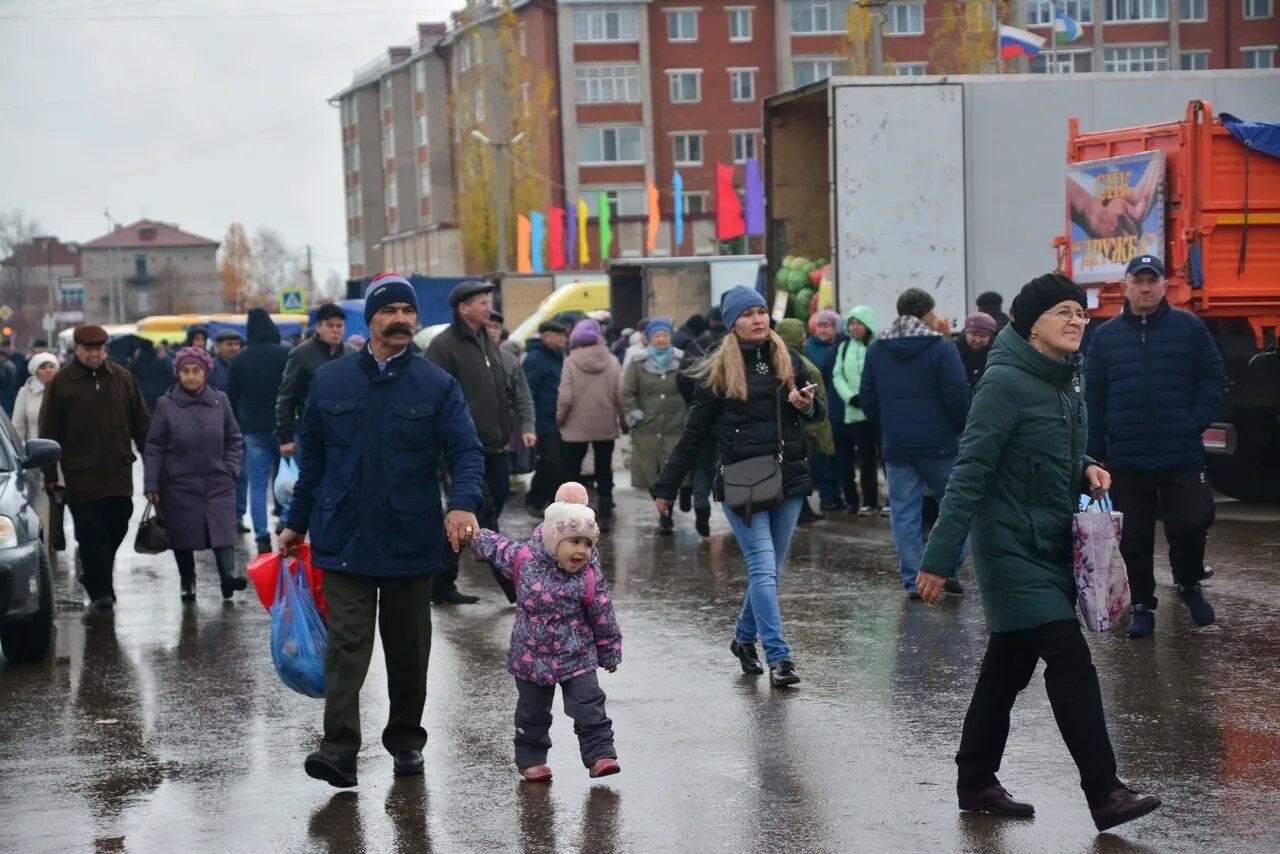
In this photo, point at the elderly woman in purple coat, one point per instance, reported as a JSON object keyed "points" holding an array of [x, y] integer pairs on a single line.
{"points": [[192, 460]]}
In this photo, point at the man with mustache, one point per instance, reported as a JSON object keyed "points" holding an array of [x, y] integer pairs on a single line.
{"points": [[467, 353], [374, 429]]}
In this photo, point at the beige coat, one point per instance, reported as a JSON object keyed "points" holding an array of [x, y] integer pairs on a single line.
{"points": [[589, 408], [656, 412], [26, 409]]}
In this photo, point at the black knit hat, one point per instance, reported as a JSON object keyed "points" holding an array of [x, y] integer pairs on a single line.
{"points": [[915, 302], [1038, 296], [990, 299]]}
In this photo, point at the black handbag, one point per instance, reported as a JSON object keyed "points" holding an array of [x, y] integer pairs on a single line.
{"points": [[152, 538], [755, 483]]}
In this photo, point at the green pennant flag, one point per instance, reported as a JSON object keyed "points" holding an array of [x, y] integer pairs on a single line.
{"points": [[606, 231]]}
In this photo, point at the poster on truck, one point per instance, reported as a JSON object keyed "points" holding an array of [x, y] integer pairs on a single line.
{"points": [[1116, 211]]}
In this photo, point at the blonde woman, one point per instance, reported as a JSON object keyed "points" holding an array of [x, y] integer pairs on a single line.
{"points": [[745, 388]]}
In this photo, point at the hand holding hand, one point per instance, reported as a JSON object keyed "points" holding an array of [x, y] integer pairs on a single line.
{"points": [[1099, 481], [289, 542], [929, 586], [461, 527]]}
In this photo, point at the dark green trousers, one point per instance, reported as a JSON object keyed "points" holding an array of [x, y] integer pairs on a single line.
{"points": [[401, 610]]}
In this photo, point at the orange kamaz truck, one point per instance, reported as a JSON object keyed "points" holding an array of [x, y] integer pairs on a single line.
{"points": [[1210, 208]]}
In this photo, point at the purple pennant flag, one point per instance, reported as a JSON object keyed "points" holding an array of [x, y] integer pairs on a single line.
{"points": [[571, 236], [754, 213]]}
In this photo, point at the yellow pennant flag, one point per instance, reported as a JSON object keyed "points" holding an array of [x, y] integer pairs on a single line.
{"points": [[651, 241], [523, 241], [584, 251]]}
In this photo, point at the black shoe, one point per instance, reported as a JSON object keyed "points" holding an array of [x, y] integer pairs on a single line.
{"points": [[1123, 804], [808, 515], [406, 763], [686, 499], [103, 603], [264, 546], [228, 585], [331, 768], [242, 528], [535, 512], [995, 800], [747, 657], [832, 508], [953, 586], [702, 522], [783, 674], [454, 597], [188, 586], [665, 524]]}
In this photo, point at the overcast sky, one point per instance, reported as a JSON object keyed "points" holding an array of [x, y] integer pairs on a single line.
{"points": [[199, 112]]}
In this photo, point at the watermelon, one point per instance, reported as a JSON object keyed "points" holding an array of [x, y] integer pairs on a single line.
{"points": [[801, 305]]}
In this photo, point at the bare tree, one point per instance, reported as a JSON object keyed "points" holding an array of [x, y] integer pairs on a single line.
{"points": [[334, 287], [16, 233], [275, 265]]}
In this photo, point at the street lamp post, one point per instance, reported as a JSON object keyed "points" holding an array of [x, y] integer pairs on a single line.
{"points": [[113, 259], [501, 170]]}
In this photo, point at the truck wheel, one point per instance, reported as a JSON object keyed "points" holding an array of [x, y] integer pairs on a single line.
{"points": [[27, 640], [1252, 473]]}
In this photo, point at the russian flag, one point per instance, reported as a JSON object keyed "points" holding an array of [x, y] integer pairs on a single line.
{"points": [[1015, 42]]}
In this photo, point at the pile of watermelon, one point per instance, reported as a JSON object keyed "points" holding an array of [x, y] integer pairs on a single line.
{"points": [[800, 278]]}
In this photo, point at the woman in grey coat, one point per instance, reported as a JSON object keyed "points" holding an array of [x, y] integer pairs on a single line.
{"points": [[193, 455], [655, 409]]}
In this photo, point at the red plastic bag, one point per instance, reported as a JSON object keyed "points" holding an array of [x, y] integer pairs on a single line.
{"points": [[264, 572]]}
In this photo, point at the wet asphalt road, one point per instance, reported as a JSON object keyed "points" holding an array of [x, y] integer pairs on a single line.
{"points": [[164, 727]]}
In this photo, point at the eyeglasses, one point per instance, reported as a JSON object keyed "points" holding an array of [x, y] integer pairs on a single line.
{"points": [[1067, 315]]}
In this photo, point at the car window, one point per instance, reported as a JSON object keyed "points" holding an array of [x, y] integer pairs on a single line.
{"points": [[9, 442]]}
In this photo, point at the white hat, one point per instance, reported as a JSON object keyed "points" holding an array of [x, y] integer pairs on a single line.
{"points": [[562, 521]]}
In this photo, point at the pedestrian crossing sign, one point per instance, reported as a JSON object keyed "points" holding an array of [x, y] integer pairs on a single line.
{"points": [[293, 301]]}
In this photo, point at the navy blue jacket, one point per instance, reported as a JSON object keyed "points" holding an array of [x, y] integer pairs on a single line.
{"points": [[542, 368], [256, 372], [367, 486], [1153, 385], [915, 390], [835, 406]]}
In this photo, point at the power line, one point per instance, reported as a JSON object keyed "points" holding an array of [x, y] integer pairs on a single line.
{"points": [[63, 15]]}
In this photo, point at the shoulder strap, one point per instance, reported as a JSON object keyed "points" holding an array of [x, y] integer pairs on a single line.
{"points": [[521, 557], [777, 399], [591, 587]]}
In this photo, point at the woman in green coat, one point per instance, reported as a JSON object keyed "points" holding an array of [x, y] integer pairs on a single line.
{"points": [[846, 376], [1014, 492], [655, 410]]}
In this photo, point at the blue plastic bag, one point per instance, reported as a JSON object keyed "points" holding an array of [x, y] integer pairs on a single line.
{"points": [[286, 477], [298, 634]]}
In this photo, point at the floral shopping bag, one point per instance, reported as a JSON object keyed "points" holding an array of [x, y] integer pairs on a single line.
{"points": [[1102, 581]]}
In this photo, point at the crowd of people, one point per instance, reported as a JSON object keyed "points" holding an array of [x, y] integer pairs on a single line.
{"points": [[986, 443]]}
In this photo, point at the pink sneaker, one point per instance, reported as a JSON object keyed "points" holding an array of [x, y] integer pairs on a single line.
{"points": [[536, 773], [604, 767]]}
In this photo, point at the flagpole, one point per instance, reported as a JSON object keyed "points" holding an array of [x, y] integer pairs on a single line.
{"points": [[1053, 39]]}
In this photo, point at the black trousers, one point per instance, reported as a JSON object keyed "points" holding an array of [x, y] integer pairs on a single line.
{"points": [[1184, 500], [583, 701], [866, 442], [400, 610], [497, 486], [547, 473], [576, 452], [704, 476], [101, 526], [224, 558], [1072, 684]]}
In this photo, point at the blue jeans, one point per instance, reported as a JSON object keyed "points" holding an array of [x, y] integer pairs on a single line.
{"points": [[906, 498], [765, 545], [261, 450]]}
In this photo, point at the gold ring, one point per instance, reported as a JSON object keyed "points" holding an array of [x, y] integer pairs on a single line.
{"points": [[469, 529]]}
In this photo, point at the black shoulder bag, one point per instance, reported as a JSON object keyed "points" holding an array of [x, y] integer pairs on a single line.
{"points": [[755, 483], [152, 538]]}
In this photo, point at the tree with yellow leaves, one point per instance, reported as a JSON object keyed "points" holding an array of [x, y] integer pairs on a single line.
{"points": [[235, 267], [856, 47], [966, 41]]}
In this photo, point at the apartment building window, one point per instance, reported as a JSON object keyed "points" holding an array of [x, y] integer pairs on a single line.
{"points": [[623, 201], [424, 179], [1259, 57], [744, 144], [1257, 9], [1194, 60], [522, 34], [476, 52], [1195, 10], [1136, 58], [349, 162], [355, 253], [742, 84], [391, 189], [1137, 10], [608, 84], [354, 200], [598, 145], [686, 85], [420, 76], [740, 23], [910, 69], [695, 202], [682, 25], [904, 19], [1064, 62], [387, 92], [389, 143], [422, 129], [524, 99], [818, 16], [688, 148], [1040, 12], [604, 24], [479, 105], [464, 55], [808, 71]]}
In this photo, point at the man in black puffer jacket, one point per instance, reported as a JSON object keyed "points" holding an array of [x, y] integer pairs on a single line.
{"points": [[1154, 382], [304, 360]]}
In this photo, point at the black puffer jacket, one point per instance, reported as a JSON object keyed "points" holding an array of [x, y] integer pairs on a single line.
{"points": [[471, 357], [744, 429]]}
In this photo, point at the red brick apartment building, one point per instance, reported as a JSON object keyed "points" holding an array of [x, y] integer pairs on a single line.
{"points": [[642, 88]]}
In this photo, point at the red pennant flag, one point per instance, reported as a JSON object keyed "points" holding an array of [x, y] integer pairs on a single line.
{"points": [[729, 222], [555, 237]]}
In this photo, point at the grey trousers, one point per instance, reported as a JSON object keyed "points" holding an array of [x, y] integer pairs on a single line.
{"points": [[583, 701]]}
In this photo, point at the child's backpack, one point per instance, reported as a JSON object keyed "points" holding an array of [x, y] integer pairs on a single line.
{"points": [[525, 553]]}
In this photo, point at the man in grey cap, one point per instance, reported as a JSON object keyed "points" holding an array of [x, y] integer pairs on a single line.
{"points": [[466, 352], [226, 345]]}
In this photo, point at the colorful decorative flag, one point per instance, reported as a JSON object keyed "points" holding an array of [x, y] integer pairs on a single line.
{"points": [[584, 252], [729, 222], [655, 217], [678, 191], [555, 238], [755, 197], [537, 233], [1015, 42], [1065, 28], [606, 230], [523, 264]]}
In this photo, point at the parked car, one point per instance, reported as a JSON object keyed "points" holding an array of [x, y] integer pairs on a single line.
{"points": [[26, 584]]}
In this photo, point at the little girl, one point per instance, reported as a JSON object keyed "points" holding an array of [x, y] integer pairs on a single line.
{"points": [[564, 629]]}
